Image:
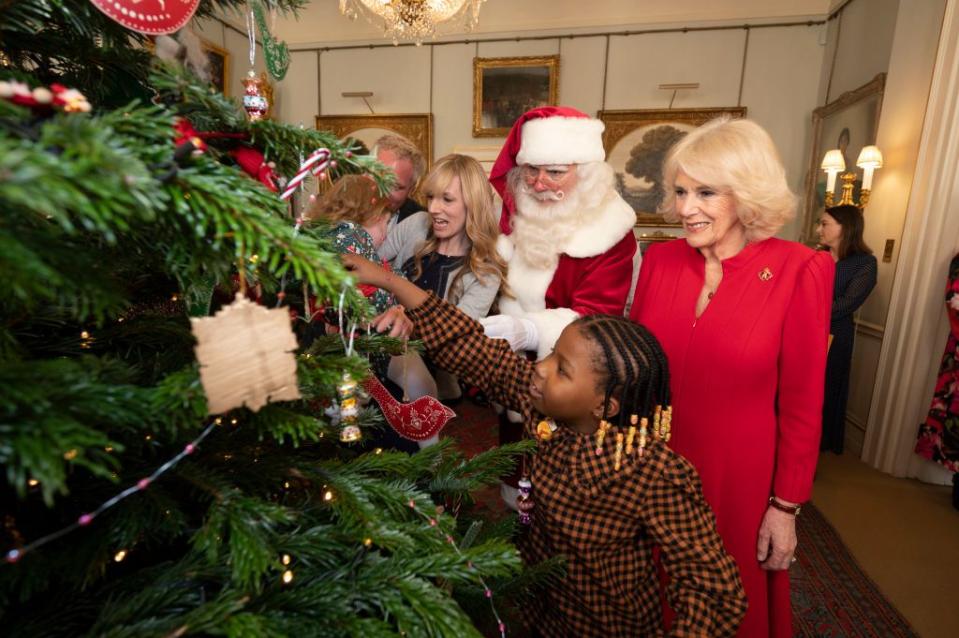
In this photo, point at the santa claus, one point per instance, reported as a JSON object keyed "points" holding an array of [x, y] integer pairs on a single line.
{"points": [[567, 235]]}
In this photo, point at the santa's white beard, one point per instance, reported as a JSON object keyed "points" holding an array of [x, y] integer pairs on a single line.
{"points": [[540, 228]]}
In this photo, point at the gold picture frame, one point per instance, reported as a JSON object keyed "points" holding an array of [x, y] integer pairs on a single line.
{"points": [[636, 143], [645, 240], [848, 123], [219, 66], [505, 88], [416, 127]]}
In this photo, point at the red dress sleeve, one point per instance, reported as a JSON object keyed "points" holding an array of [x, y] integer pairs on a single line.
{"points": [[802, 368]]}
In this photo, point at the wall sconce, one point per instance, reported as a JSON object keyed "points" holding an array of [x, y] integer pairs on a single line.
{"points": [[870, 158], [678, 86], [363, 95]]}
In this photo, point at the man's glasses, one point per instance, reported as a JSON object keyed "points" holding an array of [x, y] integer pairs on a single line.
{"points": [[550, 176]]}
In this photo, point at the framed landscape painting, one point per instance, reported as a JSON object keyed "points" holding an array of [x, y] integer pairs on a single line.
{"points": [[505, 88], [636, 144]]}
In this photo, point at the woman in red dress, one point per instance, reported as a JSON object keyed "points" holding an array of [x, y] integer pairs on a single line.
{"points": [[744, 320]]}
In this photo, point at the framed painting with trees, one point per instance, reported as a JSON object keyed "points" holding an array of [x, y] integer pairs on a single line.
{"points": [[636, 144]]}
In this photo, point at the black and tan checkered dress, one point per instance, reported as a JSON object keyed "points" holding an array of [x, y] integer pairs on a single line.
{"points": [[604, 522]]}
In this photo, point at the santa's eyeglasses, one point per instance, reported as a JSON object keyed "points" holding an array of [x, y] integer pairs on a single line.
{"points": [[550, 176]]}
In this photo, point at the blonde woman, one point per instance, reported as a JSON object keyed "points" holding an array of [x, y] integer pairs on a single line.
{"points": [[449, 249], [743, 318]]}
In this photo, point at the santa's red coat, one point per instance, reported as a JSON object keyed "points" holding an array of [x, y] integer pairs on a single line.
{"points": [[594, 285]]}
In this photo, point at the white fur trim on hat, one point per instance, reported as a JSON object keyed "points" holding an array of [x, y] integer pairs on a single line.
{"points": [[561, 140]]}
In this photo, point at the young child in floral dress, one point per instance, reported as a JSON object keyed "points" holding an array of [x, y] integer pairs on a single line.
{"points": [[357, 216]]}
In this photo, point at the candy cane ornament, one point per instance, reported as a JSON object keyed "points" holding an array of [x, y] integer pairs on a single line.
{"points": [[312, 165]]}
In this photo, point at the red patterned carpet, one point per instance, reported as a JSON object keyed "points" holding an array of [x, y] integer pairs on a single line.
{"points": [[832, 597]]}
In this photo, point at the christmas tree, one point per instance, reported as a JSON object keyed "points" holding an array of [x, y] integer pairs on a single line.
{"points": [[129, 510]]}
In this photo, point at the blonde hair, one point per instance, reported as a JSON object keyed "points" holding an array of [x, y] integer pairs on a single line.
{"points": [[482, 226], [736, 156], [353, 198], [402, 148]]}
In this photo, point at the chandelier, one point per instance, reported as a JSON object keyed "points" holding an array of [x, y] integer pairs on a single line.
{"points": [[412, 19]]}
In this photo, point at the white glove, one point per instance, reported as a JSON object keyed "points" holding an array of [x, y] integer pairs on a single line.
{"points": [[520, 332]]}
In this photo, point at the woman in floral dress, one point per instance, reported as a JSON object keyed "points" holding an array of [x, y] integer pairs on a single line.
{"points": [[939, 434]]}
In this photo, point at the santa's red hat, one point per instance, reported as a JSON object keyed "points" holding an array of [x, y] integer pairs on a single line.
{"points": [[543, 136]]}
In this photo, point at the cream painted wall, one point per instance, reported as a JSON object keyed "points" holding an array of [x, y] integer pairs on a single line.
{"points": [[865, 42], [767, 83], [638, 64], [779, 83], [581, 84], [321, 22], [858, 46], [302, 80]]}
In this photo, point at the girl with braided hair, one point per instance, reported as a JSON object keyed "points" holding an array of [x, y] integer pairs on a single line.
{"points": [[606, 487]]}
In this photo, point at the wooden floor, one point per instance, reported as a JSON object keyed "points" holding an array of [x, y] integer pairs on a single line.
{"points": [[904, 534]]}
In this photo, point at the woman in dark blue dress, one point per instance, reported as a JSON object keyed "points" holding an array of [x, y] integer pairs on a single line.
{"points": [[840, 231]]}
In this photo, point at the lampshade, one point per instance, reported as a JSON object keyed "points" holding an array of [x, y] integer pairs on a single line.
{"points": [[833, 161], [869, 157]]}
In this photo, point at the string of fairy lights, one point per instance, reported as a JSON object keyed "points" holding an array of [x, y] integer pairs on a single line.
{"points": [[14, 555], [286, 560], [487, 591]]}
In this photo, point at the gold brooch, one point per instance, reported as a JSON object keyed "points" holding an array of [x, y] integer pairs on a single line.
{"points": [[766, 274]]}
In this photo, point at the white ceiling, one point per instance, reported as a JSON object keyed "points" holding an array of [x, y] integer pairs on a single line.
{"points": [[321, 23]]}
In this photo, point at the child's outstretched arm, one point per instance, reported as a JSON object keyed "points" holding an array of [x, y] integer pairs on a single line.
{"points": [[454, 341], [704, 586], [366, 272]]}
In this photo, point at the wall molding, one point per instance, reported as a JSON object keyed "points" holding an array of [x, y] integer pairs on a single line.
{"points": [[869, 329], [856, 422]]}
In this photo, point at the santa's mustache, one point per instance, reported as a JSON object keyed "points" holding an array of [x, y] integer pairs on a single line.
{"points": [[545, 196]]}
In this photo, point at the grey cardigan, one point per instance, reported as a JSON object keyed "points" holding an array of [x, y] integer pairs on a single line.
{"points": [[405, 238]]}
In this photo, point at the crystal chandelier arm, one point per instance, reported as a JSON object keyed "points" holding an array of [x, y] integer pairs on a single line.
{"points": [[412, 19]]}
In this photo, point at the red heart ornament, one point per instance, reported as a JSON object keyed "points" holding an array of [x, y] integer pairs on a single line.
{"points": [[155, 17]]}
